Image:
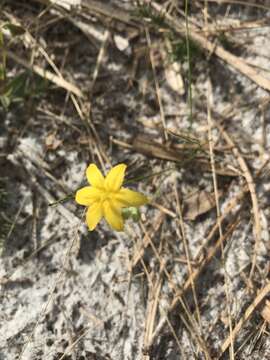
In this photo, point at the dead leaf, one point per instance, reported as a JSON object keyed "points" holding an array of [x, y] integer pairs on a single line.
{"points": [[199, 203], [186, 157]]}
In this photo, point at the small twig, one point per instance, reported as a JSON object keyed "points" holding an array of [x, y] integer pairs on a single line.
{"points": [[48, 75]]}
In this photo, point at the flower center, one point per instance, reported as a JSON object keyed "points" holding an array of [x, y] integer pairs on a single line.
{"points": [[106, 195]]}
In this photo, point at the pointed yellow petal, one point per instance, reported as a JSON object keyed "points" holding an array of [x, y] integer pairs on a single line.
{"points": [[87, 195], [94, 215], [115, 177], [113, 215], [128, 198], [94, 176]]}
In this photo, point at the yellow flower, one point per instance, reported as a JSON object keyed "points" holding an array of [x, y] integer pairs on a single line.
{"points": [[106, 197]]}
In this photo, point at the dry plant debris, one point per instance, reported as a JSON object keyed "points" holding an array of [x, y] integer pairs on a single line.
{"points": [[178, 91]]}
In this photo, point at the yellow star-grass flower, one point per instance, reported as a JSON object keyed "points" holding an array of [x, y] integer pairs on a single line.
{"points": [[106, 197]]}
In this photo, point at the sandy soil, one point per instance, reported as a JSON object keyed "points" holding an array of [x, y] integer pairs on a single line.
{"points": [[183, 283]]}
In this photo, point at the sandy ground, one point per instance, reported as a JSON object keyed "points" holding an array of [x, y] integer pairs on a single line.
{"points": [[162, 289]]}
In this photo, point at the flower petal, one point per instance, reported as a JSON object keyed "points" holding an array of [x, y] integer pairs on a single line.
{"points": [[87, 195], [94, 176], [128, 198], [94, 215], [113, 215], [115, 177]]}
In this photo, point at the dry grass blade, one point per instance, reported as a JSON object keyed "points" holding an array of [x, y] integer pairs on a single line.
{"points": [[235, 62], [72, 346], [107, 10], [47, 75], [32, 176], [187, 252], [154, 300], [90, 81], [249, 311], [240, 2], [152, 308], [99, 59], [216, 191], [139, 251], [211, 252], [190, 322], [162, 115], [186, 158]]}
